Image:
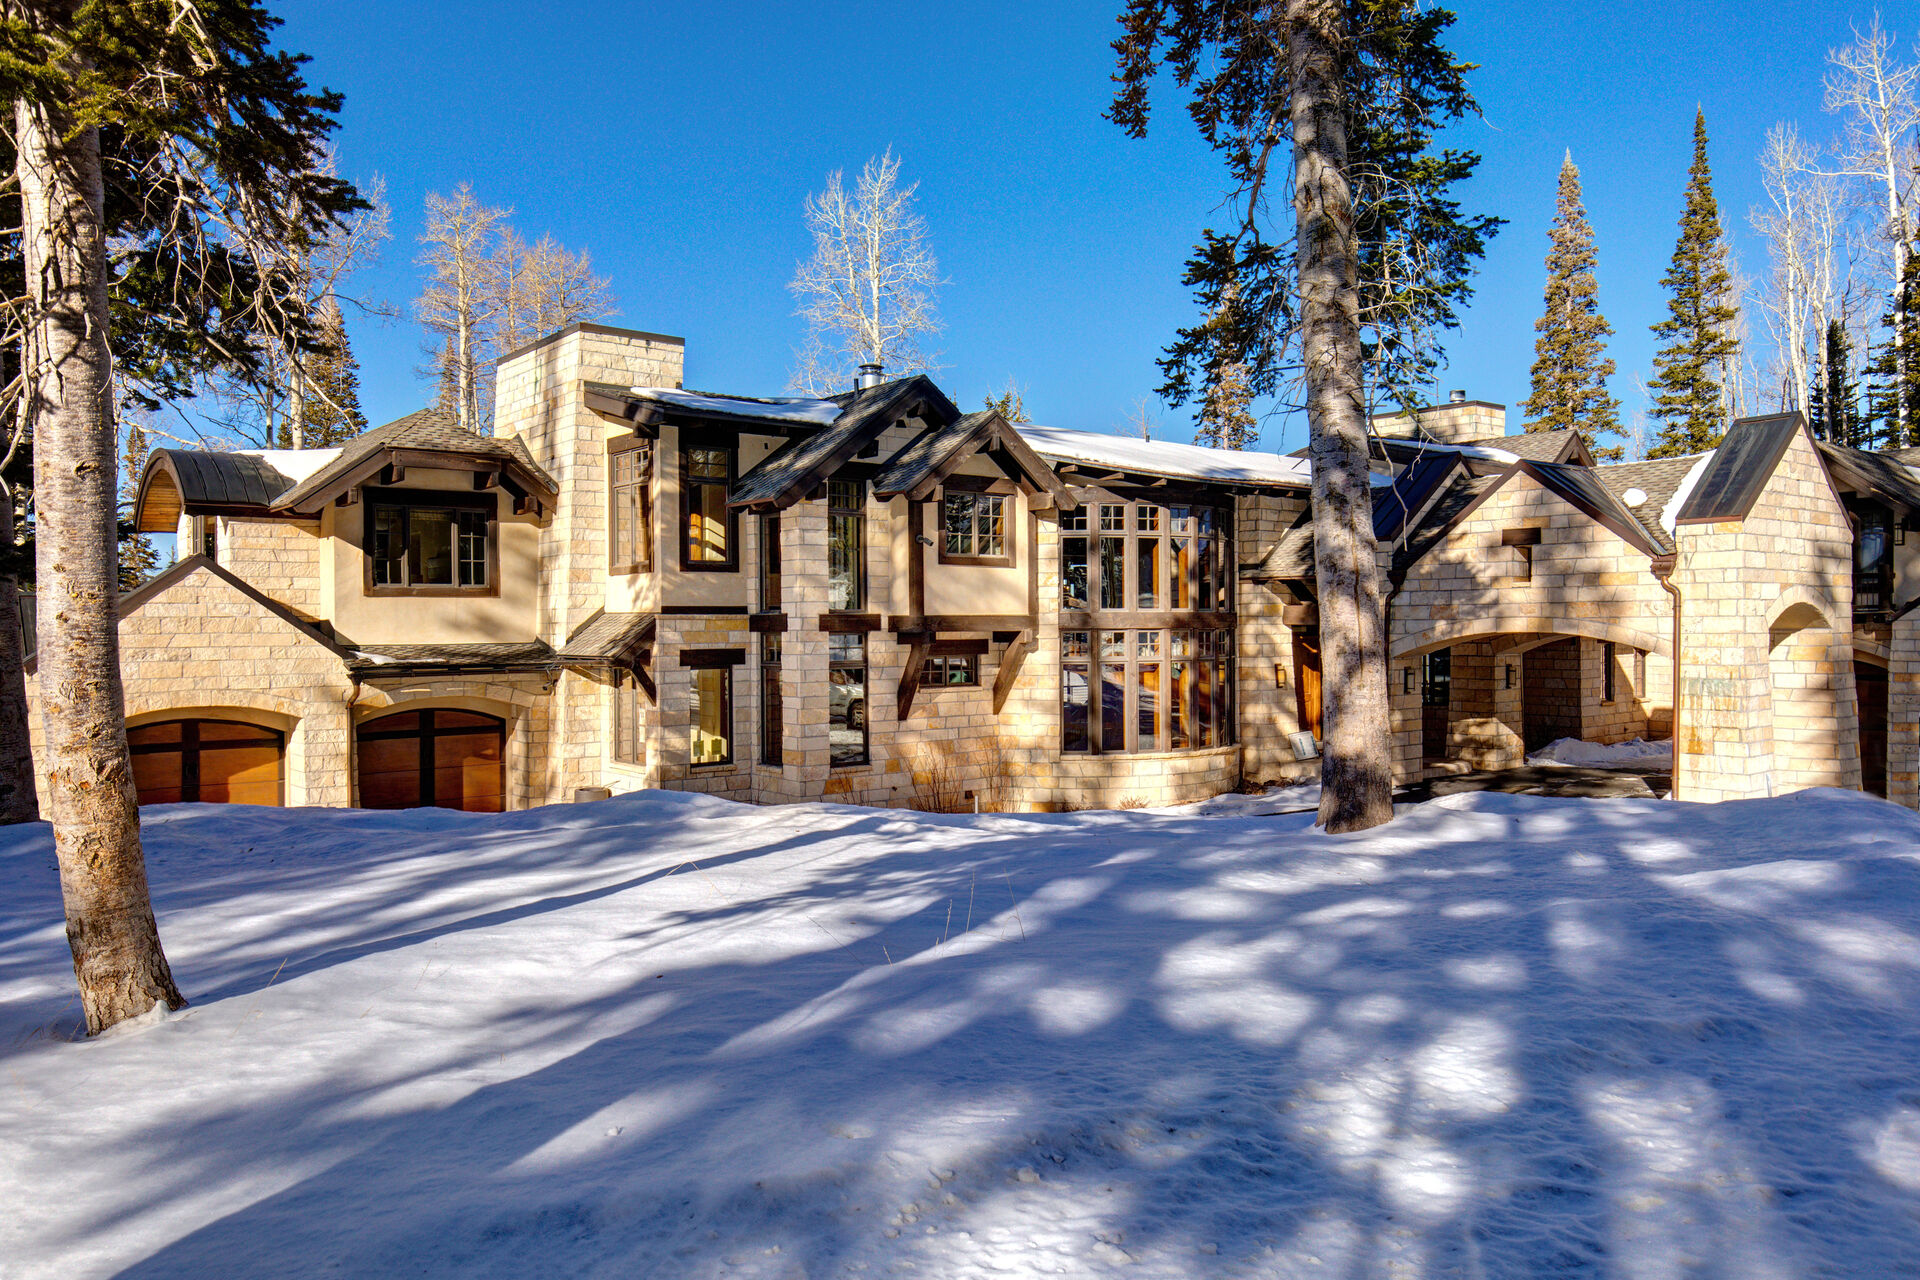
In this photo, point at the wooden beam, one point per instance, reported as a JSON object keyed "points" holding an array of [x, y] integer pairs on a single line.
{"points": [[910, 679], [842, 623], [962, 622], [1010, 664], [645, 680], [959, 648], [917, 558]]}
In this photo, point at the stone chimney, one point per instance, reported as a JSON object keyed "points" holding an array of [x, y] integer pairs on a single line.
{"points": [[1459, 421]]}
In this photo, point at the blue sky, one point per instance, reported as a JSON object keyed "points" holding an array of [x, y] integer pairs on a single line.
{"points": [[676, 143]]}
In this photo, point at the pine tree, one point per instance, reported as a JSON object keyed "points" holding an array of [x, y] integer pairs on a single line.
{"points": [[138, 560], [1840, 398], [1894, 394], [333, 409], [1226, 414], [1570, 366], [1009, 405], [1688, 401]]}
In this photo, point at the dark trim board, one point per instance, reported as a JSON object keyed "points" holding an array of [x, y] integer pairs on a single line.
{"points": [[713, 657], [771, 623], [845, 623], [962, 622], [707, 610]]}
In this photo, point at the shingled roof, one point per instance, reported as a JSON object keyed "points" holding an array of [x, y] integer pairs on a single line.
{"points": [[1657, 479], [930, 457], [789, 473], [1881, 475], [608, 638], [407, 660], [427, 433], [1562, 445]]}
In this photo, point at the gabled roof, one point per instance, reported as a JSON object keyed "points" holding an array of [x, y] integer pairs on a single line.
{"points": [[1462, 494], [1401, 509], [930, 457], [1745, 460], [608, 638], [789, 473], [1562, 445], [1881, 475], [426, 438]]}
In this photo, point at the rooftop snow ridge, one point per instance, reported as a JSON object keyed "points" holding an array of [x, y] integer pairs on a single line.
{"points": [[781, 408]]}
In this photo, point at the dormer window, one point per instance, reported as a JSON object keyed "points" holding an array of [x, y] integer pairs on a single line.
{"points": [[423, 542]]}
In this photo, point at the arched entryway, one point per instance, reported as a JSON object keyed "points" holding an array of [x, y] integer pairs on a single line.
{"points": [[1813, 745], [195, 759], [437, 757]]}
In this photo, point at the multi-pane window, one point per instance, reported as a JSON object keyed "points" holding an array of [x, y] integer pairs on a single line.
{"points": [[846, 544], [630, 514], [710, 709], [847, 698], [706, 477], [974, 526], [772, 716], [943, 672], [1142, 557], [770, 563], [629, 718], [1146, 690], [421, 545]]}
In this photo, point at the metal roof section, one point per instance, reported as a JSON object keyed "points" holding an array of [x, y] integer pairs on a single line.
{"points": [[1123, 455], [1747, 457], [203, 482], [787, 475], [1398, 506], [1878, 474]]}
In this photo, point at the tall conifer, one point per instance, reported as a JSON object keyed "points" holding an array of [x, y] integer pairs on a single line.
{"points": [[333, 410], [1840, 398], [1570, 365], [1687, 398]]}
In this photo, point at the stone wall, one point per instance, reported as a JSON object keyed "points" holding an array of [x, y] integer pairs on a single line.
{"points": [[1751, 586], [280, 557], [203, 649]]}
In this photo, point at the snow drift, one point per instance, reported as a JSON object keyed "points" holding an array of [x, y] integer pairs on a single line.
{"points": [[1638, 754], [669, 1036]]}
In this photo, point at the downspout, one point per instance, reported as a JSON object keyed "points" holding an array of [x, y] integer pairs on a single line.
{"points": [[1663, 567]]}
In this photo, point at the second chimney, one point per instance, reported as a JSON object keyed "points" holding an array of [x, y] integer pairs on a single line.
{"points": [[870, 375]]}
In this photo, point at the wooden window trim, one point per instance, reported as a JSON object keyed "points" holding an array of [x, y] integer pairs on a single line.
{"points": [[642, 560], [433, 499], [729, 443], [947, 661], [1010, 515]]}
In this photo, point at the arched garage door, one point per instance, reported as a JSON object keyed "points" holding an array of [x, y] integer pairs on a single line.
{"points": [[443, 758], [213, 761]]}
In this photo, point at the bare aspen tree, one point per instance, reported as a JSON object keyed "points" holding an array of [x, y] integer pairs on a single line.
{"points": [[867, 293], [96, 825], [457, 304], [1878, 98], [1790, 228]]}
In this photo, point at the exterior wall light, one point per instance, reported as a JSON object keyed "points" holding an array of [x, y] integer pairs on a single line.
{"points": [[1406, 680], [1279, 675]]}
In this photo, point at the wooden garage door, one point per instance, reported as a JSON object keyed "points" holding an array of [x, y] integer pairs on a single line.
{"points": [[446, 759], [213, 761]]}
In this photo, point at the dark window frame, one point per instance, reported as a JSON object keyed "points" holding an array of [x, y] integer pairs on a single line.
{"points": [[629, 742], [853, 515], [728, 711], [770, 562], [407, 501], [773, 724], [864, 666], [1608, 691], [1201, 526], [1203, 657], [690, 443], [934, 676], [638, 557], [952, 494]]}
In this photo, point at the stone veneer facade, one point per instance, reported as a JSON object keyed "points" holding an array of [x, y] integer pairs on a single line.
{"points": [[1767, 647]]}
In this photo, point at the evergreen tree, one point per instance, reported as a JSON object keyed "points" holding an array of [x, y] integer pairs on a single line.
{"points": [[1570, 365], [333, 408], [1688, 400], [1894, 394], [1840, 398], [1225, 420], [1009, 405], [138, 560]]}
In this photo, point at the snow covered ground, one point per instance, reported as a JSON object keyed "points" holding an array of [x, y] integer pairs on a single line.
{"points": [[665, 1035], [1638, 754]]}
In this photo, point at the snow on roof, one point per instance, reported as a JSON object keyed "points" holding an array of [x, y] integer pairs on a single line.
{"points": [[781, 409], [1164, 458], [1670, 515], [295, 464]]}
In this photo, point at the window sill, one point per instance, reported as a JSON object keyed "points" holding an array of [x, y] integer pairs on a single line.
{"points": [[989, 562]]}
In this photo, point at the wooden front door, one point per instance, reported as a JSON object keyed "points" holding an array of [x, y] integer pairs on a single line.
{"points": [[441, 758], [1306, 682], [210, 761]]}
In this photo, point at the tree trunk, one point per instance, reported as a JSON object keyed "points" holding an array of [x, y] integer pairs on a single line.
{"points": [[18, 803], [1355, 767], [96, 822]]}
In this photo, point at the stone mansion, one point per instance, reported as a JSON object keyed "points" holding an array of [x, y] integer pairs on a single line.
{"points": [[880, 599]]}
